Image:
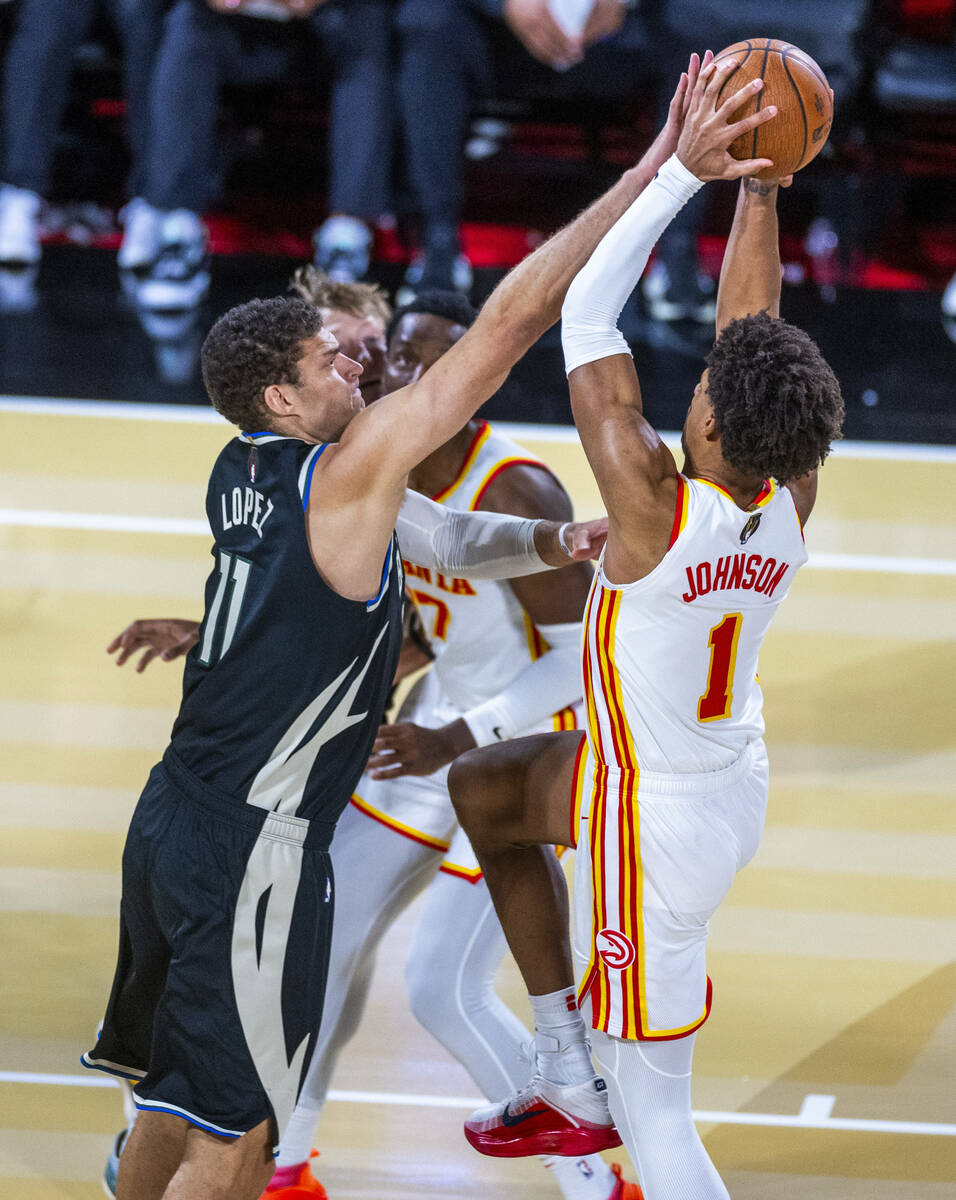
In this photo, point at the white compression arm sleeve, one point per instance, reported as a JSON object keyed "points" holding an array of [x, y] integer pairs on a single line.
{"points": [[477, 545], [600, 289], [542, 688]]}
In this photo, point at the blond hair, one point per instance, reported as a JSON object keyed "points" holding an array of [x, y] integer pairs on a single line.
{"points": [[356, 299]]}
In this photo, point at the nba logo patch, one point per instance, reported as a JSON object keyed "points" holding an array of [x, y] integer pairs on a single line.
{"points": [[750, 528], [616, 949]]}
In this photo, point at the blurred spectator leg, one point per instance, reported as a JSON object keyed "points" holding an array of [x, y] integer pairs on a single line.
{"points": [[443, 56], [36, 79], [196, 48], [140, 25], [356, 45]]}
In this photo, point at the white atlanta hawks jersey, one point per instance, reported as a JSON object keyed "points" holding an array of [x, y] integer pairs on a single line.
{"points": [[480, 634], [670, 662]]}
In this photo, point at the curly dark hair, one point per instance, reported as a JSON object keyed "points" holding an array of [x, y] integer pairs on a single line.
{"points": [[776, 402], [250, 347], [435, 302]]}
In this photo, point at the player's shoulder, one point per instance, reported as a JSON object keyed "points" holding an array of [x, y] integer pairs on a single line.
{"points": [[513, 479]]}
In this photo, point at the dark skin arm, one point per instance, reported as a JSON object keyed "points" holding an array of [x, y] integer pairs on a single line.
{"points": [[750, 283], [524, 490], [158, 637]]}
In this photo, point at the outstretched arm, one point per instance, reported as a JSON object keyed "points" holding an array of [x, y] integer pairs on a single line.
{"points": [[485, 545], [750, 283], [750, 272], [633, 468], [359, 484]]}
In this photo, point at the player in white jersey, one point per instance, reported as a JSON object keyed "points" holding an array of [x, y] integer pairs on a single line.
{"points": [[506, 662], [666, 795]]}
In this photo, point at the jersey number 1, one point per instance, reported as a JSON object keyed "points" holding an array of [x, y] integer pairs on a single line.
{"points": [[715, 703], [233, 574]]}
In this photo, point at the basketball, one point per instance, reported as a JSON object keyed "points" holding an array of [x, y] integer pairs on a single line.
{"points": [[797, 86]]}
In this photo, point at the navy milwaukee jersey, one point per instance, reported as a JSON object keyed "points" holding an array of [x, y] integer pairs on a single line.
{"points": [[284, 692]]}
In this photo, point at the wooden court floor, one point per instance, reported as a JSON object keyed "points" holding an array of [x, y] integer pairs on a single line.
{"points": [[827, 1067]]}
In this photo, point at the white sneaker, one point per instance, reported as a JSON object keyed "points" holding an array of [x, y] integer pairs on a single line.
{"points": [[141, 235], [19, 227], [343, 248], [179, 277]]}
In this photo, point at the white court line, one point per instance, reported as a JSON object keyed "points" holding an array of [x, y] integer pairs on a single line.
{"points": [[811, 1115], [816, 1108], [121, 523], [103, 522], [197, 415]]}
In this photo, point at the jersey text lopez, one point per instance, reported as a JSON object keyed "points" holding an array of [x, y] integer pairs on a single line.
{"points": [[245, 506]]}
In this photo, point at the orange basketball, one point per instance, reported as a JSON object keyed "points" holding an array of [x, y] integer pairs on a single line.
{"points": [[797, 86]]}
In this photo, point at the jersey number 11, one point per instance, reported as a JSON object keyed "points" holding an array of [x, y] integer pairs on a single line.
{"points": [[234, 575]]}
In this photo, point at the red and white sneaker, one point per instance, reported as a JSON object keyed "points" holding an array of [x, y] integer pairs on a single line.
{"points": [[625, 1190], [546, 1118]]}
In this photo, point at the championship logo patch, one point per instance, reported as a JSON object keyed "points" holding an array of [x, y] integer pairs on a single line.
{"points": [[750, 528], [616, 949]]}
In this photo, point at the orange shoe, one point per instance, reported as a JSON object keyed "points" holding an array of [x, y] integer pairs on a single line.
{"points": [[305, 1187], [625, 1190]]}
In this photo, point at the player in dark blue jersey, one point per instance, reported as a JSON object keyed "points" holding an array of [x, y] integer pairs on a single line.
{"points": [[227, 897]]}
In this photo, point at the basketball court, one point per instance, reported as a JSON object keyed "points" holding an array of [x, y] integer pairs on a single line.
{"points": [[826, 1068]]}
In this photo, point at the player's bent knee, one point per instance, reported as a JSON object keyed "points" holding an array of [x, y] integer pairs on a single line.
{"points": [[484, 792]]}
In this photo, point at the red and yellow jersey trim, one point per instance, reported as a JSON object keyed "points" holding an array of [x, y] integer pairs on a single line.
{"points": [[565, 720], [603, 691], [400, 827], [618, 995], [500, 466], [537, 645], [716, 486], [768, 489], [577, 790], [469, 874], [478, 441], [680, 513]]}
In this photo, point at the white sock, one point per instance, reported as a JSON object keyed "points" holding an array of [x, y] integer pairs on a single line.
{"points": [[588, 1178], [560, 1038]]}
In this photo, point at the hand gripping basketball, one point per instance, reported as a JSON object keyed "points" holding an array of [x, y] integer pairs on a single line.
{"points": [[708, 131]]}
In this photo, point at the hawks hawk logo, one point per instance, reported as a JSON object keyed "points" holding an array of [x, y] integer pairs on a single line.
{"points": [[750, 528], [616, 949]]}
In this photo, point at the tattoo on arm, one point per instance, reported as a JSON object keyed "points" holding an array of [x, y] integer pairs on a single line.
{"points": [[757, 187]]}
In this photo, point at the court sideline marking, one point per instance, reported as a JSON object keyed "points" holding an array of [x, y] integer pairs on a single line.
{"points": [[37, 518], [814, 1112], [195, 414]]}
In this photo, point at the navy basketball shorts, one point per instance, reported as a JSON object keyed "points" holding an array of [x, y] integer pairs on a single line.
{"points": [[225, 928]]}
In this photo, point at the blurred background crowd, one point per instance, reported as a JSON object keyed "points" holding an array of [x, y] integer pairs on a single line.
{"points": [[426, 143]]}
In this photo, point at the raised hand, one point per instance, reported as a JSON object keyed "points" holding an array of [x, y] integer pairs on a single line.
{"points": [[665, 144], [163, 637], [708, 131]]}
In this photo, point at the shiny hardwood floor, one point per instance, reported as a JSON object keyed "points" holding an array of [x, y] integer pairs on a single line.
{"points": [[826, 1067]]}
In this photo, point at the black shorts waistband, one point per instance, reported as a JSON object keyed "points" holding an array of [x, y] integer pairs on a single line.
{"points": [[224, 807]]}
